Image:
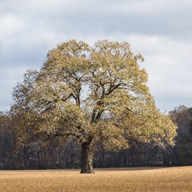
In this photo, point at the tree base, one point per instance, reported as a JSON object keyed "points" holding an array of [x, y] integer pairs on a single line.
{"points": [[88, 172], [87, 155]]}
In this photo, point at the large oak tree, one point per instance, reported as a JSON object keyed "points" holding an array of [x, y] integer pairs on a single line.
{"points": [[93, 93]]}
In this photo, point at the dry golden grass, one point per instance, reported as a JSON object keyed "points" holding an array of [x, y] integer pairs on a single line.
{"points": [[177, 179]]}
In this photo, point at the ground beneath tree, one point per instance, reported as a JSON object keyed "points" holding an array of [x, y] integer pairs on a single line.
{"points": [[176, 179]]}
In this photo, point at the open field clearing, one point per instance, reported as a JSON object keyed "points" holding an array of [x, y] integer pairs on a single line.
{"points": [[177, 179]]}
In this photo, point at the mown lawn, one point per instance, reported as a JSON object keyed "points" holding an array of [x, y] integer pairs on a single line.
{"points": [[178, 179]]}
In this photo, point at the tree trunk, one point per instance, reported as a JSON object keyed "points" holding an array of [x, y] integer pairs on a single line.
{"points": [[87, 158]]}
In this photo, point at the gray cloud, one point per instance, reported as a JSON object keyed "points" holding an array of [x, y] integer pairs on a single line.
{"points": [[148, 17]]}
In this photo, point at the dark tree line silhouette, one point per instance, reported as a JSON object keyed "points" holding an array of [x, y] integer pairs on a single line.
{"points": [[17, 151]]}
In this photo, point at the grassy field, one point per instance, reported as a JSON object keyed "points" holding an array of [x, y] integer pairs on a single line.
{"points": [[178, 179]]}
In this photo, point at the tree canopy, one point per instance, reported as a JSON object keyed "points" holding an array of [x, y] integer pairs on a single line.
{"points": [[93, 93]]}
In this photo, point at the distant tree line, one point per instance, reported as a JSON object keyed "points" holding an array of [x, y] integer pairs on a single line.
{"points": [[17, 151]]}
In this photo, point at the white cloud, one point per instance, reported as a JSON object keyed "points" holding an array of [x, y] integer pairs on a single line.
{"points": [[9, 78], [167, 62], [10, 24]]}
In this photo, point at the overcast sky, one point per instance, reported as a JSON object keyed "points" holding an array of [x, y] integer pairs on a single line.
{"points": [[161, 30]]}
